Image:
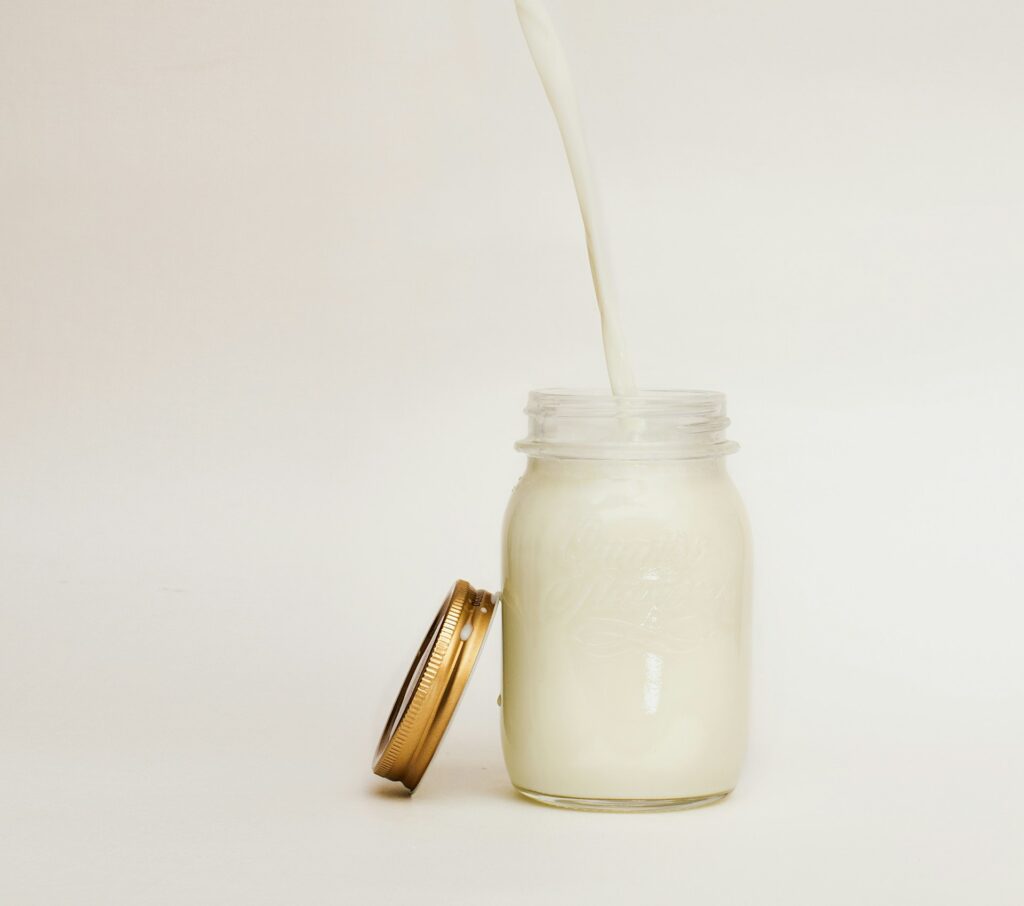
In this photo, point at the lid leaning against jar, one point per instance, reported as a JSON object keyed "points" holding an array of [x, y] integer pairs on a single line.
{"points": [[434, 685]]}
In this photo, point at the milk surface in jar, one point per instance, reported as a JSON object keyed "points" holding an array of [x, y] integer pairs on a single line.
{"points": [[626, 597]]}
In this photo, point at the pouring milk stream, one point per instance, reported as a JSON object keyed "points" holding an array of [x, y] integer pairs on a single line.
{"points": [[549, 58]]}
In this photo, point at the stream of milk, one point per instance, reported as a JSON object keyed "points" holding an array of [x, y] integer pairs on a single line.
{"points": [[549, 58]]}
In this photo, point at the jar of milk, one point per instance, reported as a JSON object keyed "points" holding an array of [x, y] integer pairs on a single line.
{"points": [[626, 604]]}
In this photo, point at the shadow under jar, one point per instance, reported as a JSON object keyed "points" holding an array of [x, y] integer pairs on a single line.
{"points": [[626, 604]]}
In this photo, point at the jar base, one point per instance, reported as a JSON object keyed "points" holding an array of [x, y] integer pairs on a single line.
{"points": [[623, 805]]}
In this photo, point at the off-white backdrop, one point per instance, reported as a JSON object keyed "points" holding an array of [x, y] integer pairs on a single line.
{"points": [[275, 279]]}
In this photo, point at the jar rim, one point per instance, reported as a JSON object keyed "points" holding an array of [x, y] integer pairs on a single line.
{"points": [[569, 423], [592, 402]]}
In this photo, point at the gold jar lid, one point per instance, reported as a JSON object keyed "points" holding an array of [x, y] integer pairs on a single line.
{"points": [[434, 685]]}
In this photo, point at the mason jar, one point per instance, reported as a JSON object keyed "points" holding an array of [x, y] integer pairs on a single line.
{"points": [[625, 604]]}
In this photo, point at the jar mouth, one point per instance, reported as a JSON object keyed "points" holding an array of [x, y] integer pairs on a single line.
{"points": [[596, 402], [651, 424]]}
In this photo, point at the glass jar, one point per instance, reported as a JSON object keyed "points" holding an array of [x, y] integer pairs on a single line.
{"points": [[626, 604]]}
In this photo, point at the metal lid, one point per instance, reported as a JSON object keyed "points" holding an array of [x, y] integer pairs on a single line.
{"points": [[434, 685]]}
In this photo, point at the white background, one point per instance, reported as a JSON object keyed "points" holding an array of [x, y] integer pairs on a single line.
{"points": [[275, 279]]}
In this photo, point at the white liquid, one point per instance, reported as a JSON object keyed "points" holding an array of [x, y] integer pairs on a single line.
{"points": [[625, 630], [627, 580], [553, 69]]}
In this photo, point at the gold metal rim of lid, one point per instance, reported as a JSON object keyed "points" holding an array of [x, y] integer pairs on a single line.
{"points": [[434, 685]]}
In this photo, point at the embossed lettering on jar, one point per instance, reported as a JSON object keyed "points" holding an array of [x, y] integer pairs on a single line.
{"points": [[626, 604]]}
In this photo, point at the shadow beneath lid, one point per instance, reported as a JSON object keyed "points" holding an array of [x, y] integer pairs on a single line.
{"points": [[452, 780], [380, 788]]}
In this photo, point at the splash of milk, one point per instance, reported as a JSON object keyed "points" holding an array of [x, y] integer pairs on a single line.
{"points": [[549, 58]]}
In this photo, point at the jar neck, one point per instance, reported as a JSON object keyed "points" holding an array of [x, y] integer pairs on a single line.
{"points": [[654, 425], [557, 468]]}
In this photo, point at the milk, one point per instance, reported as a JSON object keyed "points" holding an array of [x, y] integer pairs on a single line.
{"points": [[549, 58], [626, 600], [625, 630]]}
